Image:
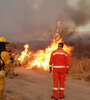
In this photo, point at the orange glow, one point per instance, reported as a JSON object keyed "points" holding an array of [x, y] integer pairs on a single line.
{"points": [[25, 54], [41, 57]]}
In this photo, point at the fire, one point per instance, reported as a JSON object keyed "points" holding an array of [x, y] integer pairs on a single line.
{"points": [[25, 54], [41, 57]]}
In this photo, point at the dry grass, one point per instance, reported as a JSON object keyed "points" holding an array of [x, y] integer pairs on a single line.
{"points": [[80, 68], [79, 61]]}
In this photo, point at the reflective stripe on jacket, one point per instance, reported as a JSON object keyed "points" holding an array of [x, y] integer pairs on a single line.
{"points": [[59, 59]]}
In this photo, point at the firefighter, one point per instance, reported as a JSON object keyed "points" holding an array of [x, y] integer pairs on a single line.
{"points": [[15, 62], [60, 62], [4, 61], [11, 71]]}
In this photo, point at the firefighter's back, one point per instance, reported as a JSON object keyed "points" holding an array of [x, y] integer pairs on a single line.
{"points": [[59, 57]]}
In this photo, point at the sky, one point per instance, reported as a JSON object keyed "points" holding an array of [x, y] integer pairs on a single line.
{"points": [[26, 20]]}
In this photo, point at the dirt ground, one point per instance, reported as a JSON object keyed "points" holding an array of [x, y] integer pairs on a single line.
{"points": [[34, 85]]}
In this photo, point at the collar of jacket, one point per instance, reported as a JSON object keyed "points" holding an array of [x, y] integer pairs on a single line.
{"points": [[60, 48]]}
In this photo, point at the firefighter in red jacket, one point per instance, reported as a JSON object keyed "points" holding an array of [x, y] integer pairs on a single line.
{"points": [[60, 62]]}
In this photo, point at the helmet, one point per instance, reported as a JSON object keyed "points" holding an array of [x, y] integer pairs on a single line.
{"points": [[13, 50], [7, 49], [3, 39]]}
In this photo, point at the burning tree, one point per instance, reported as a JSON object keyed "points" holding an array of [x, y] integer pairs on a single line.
{"points": [[41, 58]]}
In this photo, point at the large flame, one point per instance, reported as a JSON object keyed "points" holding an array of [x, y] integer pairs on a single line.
{"points": [[41, 58]]}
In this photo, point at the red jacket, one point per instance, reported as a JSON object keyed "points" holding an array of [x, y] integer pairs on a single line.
{"points": [[59, 59]]}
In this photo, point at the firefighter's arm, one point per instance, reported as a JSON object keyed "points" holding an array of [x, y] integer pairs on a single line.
{"points": [[67, 64], [50, 63]]}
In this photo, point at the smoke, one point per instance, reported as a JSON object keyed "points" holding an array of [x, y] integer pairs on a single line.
{"points": [[25, 20], [77, 16], [81, 14]]}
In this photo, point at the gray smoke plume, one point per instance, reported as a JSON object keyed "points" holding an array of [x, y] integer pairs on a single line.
{"points": [[24, 20], [81, 14]]}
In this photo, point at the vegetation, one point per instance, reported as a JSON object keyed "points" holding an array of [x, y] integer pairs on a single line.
{"points": [[79, 61], [80, 68]]}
